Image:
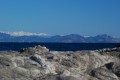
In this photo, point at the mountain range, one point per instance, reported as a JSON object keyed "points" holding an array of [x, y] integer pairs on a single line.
{"points": [[42, 37]]}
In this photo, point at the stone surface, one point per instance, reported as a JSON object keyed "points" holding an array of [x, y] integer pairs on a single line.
{"points": [[38, 63]]}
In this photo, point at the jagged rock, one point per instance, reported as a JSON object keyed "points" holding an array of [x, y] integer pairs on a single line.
{"points": [[114, 67], [41, 49], [69, 78], [37, 58], [36, 50], [103, 74], [27, 51], [38, 63]]}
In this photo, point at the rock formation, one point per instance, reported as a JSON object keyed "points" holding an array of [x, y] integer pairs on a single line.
{"points": [[38, 63]]}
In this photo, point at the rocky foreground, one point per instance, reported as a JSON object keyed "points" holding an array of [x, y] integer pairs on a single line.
{"points": [[38, 63]]}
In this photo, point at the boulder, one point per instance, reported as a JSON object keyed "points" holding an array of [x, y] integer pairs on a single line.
{"points": [[102, 73], [114, 67], [34, 50]]}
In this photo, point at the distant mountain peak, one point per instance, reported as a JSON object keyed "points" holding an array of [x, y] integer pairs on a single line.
{"points": [[105, 36], [22, 36]]}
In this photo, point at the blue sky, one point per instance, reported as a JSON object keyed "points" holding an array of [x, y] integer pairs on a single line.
{"points": [[84, 17]]}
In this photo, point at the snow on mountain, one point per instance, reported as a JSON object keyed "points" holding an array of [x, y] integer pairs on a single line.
{"points": [[43, 37], [22, 33]]}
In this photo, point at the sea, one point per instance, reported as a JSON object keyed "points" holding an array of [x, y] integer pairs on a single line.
{"points": [[17, 46]]}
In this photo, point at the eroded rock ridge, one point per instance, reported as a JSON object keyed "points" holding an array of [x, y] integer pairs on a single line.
{"points": [[38, 63]]}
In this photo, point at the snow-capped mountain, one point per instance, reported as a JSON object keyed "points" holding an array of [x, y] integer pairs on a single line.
{"points": [[43, 37], [22, 33]]}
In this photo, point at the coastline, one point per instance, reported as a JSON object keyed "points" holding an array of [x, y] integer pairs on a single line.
{"points": [[38, 63]]}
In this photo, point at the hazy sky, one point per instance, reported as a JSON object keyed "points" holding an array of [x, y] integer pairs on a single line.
{"points": [[85, 17]]}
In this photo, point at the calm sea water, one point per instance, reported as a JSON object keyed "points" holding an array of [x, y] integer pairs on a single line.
{"points": [[58, 46]]}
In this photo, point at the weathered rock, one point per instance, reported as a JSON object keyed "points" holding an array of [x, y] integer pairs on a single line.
{"points": [[41, 49], [103, 74], [38, 63], [36, 50], [114, 67], [38, 59]]}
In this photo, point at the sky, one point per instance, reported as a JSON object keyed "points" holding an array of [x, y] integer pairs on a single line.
{"points": [[84, 17]]}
